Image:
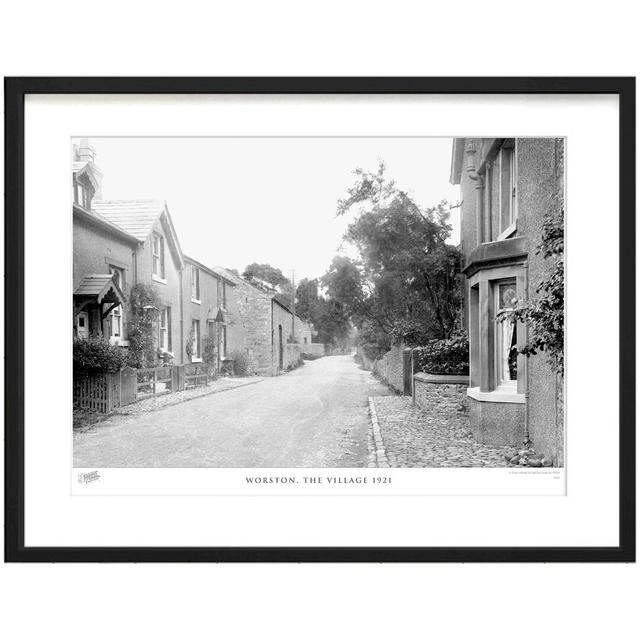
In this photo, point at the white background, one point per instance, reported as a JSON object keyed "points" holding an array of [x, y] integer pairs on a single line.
{"points": [[586, 516], [362, 38]]}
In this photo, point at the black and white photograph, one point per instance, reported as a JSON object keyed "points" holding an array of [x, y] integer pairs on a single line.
{"points": [[320, 320], [318, 302]]}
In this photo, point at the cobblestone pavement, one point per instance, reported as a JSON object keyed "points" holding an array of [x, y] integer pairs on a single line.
{"points": [[413, 439], [315, 416]]}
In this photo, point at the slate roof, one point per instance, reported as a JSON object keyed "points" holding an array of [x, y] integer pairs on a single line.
{"points": [[213, 271], [94, 218], [229, 275], [136, 217]]}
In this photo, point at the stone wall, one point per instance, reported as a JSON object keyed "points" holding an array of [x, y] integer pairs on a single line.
{"points": [[302, 331], [254, 313], [367, 363], [444, 396], [314, 349], [389, 368], [395, 368], [292, 355]]}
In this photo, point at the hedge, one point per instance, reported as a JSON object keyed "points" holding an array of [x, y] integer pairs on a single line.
{"points": [[445, 357], [96, 355]]}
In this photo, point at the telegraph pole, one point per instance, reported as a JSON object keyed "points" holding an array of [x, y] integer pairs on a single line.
{"points": [[293, 303]]}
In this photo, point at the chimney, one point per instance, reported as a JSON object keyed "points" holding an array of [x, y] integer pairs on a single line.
{"points": [[85, 153]]}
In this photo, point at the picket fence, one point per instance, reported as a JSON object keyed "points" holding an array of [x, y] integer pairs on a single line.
{"points": [[104, 392]]}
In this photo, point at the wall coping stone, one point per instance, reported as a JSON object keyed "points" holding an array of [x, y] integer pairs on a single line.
{"points": [[441, 379]]}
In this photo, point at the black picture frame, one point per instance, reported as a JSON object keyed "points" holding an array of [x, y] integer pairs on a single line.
{"points": [[15, 91]]}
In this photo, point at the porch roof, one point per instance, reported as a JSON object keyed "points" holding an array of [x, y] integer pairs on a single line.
{"points": [[217, 315], [101, 287]]}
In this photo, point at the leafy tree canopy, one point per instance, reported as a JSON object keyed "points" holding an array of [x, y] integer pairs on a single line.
{"points": [[404, 286], [270, 279], [328, 317], [266, 273]]}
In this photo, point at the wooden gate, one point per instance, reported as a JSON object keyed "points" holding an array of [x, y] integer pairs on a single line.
{"points": [[128, 386], [97, 391]]}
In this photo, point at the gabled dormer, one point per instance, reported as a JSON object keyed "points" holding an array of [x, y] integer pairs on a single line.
{"points": [[87, 178]]}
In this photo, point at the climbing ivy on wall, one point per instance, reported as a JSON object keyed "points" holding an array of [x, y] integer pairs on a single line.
{"points": [[144, 306]]}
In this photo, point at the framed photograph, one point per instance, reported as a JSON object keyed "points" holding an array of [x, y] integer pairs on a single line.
{"points": [[320, 319]]}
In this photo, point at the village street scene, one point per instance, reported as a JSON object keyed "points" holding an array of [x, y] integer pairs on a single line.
{"points": [[336, 303]]}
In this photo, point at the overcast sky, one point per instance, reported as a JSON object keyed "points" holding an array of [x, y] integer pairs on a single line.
{"points": [[235, 201]]}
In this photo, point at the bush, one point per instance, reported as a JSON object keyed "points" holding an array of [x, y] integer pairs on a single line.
{"points": [[240, 363], [209, 350], [96, 355], [445, 357]]}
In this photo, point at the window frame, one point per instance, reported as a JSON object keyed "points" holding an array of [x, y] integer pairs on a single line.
{"points": [[500, 383], [81, 194], [164, 329], [159, 256], [120, 273], [196, 353], [195, 280], [222, 341], [85, 316], [116, 313], [510, 146]]}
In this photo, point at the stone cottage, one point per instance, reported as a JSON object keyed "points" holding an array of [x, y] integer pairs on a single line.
{"points": [[211, 314], [274, 336], [507, 185]]}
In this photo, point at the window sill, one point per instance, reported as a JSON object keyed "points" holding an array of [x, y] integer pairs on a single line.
{"points": [[156, 278], [499, 395], [507, 232], [196, 301], [193, 360]]}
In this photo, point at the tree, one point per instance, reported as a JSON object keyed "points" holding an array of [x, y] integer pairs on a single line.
{"points": [[405, 285], [333, 323], [307, 300], [261, 273], [270, 279], [328, 317]]}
